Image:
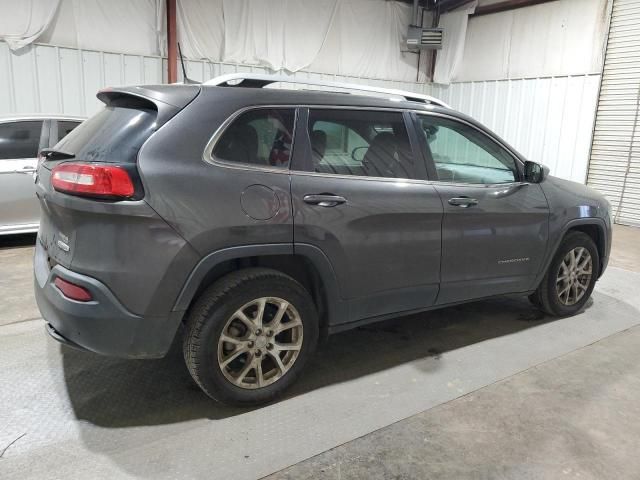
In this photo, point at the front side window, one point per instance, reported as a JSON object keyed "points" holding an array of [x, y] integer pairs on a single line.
{"points": [[360, 142], [20, 139], [463, 154], [260, 137]]}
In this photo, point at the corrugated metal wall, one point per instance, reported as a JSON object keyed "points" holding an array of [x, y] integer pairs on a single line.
{"points": [[48, 79], [547, 119]]}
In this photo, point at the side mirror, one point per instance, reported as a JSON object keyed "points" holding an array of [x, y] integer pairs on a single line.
{"points": [[535, 172]]}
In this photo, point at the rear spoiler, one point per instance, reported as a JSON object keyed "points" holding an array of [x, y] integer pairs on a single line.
{"points": [[167, 100]]}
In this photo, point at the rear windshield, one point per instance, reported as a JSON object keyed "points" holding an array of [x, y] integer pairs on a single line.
{"points": [[115, 134]]}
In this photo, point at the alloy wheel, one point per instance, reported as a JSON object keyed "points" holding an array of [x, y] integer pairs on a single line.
{"points": [[574, 276], [260, 342]]}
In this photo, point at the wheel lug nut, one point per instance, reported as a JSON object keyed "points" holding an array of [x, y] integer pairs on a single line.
{"points": [[258, 353], [258, 332], [250, 344], [269, 333], [269, 346]]}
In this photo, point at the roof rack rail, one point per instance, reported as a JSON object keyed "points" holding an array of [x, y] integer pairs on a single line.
{"points": [[252, 80]]}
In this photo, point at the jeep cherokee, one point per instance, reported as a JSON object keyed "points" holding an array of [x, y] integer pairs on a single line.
{"points": [[262, 219]]}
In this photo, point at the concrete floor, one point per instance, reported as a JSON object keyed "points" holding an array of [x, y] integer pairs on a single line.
{"points": [[16, 279], [486, 390], [576, 416], [625, 252]]}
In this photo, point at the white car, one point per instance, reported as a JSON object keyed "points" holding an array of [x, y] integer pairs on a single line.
{"points": [[21, 138]]}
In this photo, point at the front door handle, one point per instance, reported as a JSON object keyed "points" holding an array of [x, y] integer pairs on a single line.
{"points": [[324, 200], [463, 202]]}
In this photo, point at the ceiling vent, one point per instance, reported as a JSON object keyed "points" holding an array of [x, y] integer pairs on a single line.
{"points": [[424, 38]]}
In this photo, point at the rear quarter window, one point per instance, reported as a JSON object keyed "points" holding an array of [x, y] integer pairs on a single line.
{"points": [[260, 137], [115, 134]]}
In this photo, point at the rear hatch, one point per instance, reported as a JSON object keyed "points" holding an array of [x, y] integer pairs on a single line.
{"points": [[110, 139]]}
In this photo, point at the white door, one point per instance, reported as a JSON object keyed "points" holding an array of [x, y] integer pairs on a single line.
{"points": [[614, 166], [19, 145]]}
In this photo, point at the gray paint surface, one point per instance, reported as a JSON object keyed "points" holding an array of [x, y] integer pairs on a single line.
{"points": [[480, 243]]}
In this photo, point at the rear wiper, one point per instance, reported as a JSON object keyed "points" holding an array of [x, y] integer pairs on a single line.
{"points": [[51, 154]]}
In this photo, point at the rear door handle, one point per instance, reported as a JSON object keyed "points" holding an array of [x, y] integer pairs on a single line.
{"points": [[463, 202], [324, 200]]}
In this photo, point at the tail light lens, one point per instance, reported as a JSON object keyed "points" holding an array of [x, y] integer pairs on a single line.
{"points": [[91, 180], [73, 291]]}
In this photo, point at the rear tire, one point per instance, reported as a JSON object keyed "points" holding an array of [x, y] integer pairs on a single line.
{"points": [[249, 335], [570, 278]]}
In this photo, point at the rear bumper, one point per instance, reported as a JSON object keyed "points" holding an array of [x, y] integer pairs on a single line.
{"points": [[102, 325], [53, 333]]}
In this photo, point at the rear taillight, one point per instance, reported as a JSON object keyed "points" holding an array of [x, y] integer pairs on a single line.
{"points": [[73, 291], [92, 180]]}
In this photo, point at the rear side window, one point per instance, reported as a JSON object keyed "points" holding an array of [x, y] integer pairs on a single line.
{"points": [[115, 134], [360, 142], [20, 139], [259, 137]]}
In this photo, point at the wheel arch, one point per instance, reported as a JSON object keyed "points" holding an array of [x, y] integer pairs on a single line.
{"points": [[594, 227], [307, 265], [597, 234]]}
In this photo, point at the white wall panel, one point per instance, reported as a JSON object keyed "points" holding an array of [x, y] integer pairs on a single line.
{"points": [[50, 79], [46, 72], [71, 76], [93, 67], [558, 38], [547, 119]]}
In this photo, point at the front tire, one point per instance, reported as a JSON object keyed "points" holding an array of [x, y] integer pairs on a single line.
{"points": [[249, 335], [570, 278]]}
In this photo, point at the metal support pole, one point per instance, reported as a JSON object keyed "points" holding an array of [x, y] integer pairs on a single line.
{"points": [[172, 42]]}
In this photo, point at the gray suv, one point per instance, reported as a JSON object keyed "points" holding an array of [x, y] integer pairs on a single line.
{"points": [[251, 222]]}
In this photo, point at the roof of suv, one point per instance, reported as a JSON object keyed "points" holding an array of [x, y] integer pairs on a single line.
{"points": [[316, 97], [179, 95]]}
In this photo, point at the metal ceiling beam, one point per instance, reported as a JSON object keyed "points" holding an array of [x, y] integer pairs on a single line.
{"points": [[505, 6], [448, 5]]}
